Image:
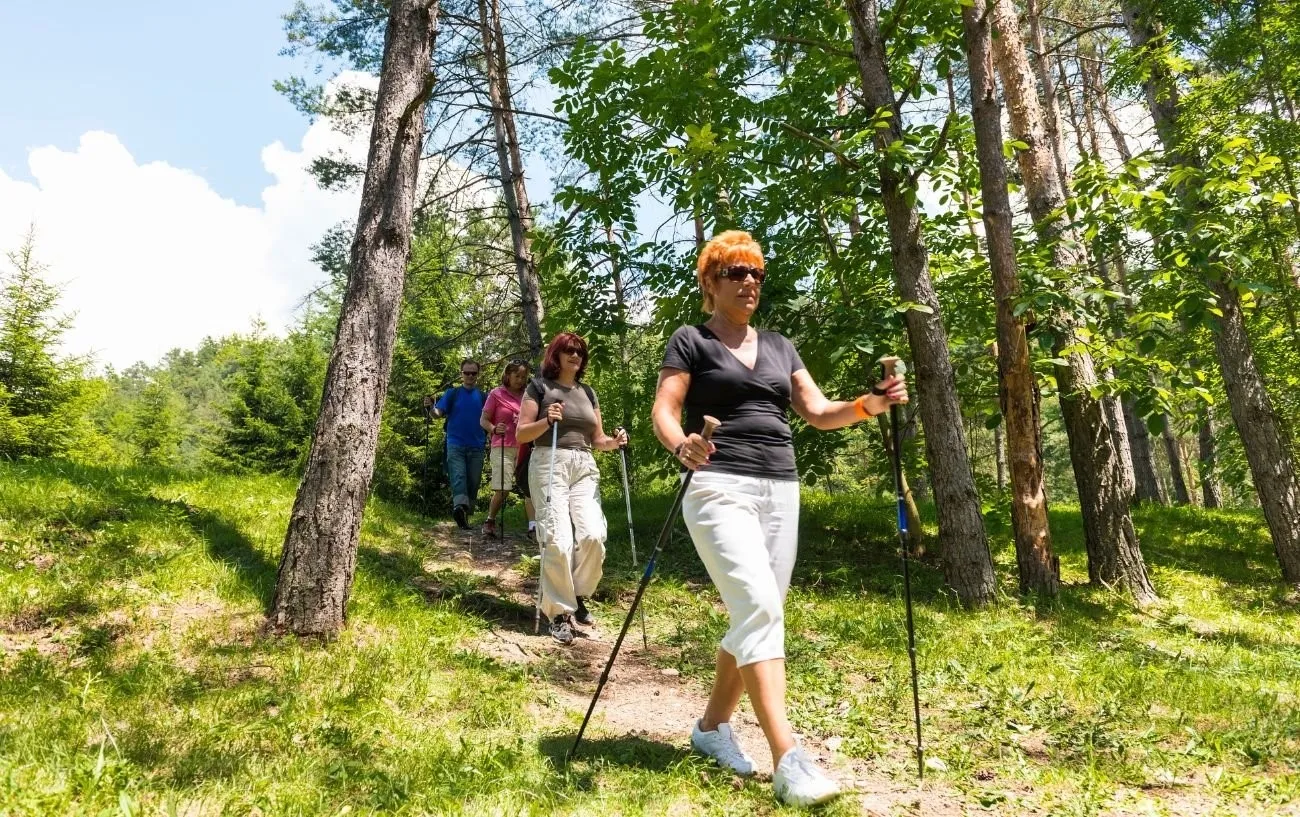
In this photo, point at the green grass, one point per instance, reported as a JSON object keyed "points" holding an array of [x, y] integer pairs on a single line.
{"points": [[135, 679]]}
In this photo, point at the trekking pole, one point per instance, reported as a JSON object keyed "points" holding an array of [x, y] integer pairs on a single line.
{"points": [[890, 366], [504, 493], [710, 425], [631, 536], [541, 543]]}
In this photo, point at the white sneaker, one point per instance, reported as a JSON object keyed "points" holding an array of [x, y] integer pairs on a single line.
{"points": [[800, 782], [720, 744]]}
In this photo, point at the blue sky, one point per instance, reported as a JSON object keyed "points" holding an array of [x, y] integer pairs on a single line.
{"points": [[183, 82]]}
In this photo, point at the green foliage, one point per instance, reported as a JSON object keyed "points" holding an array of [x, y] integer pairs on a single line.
{"points": [[134, 678], [41, 393]]}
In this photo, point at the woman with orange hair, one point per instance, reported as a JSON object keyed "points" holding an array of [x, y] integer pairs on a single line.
{"points": [[742, 506], [571, 524]]}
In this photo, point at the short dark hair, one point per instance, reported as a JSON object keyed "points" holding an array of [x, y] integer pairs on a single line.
{"points": [[471, 360], [551, 360]]}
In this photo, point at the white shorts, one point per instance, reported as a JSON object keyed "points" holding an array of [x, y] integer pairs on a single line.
{"points": [[502, 476], [746, 530]]}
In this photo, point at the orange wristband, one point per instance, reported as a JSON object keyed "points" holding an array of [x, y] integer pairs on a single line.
{"points": [[860, 406]]}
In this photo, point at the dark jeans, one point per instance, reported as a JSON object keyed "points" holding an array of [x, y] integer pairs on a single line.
{"points": [[464, 471]]}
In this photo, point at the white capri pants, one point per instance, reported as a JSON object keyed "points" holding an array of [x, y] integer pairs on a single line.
{"points": [[571, 525], [746, 530]]}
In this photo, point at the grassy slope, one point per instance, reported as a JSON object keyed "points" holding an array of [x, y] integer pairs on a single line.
{"points": [[134, 680]]}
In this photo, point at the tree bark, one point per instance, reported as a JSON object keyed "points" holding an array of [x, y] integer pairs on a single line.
{"points": [[1017, 391], [1114, 557], [1272, 466], [511, 164], [963, 545], [1211, 492], [1051, 108], [1172, 452], [320, 546], [1000, 456], [1145, 482]]}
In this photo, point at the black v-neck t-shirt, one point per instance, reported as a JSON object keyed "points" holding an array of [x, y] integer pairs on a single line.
{"points": [[754, 438]]}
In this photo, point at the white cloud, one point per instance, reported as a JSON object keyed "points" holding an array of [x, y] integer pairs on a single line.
{"points": [[152, 258]]}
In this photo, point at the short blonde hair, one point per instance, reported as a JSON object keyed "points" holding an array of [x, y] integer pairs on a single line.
{"points": [[723, 250]]}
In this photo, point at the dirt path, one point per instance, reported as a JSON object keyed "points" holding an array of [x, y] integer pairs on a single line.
{"points": [[646, 699]]}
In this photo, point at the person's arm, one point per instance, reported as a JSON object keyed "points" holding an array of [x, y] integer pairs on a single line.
{"points": [[827, 415], [691, 450], [602, 441], [530, 426], [485, 419]]}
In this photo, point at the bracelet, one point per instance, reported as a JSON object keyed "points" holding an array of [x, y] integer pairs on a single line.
{"points": [[860, 406]]}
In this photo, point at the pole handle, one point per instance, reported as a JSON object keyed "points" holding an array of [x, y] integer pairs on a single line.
{"points": [[710, 425]]}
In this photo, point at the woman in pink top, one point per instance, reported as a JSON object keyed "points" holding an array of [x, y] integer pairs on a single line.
{"points": [[499, 418]]}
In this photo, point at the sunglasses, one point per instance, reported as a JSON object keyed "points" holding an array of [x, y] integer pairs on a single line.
{"points": [[737, 273], [469, 374], [571, 350]]}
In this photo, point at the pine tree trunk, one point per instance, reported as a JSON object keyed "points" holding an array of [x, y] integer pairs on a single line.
{"points": [[1211, 492], [968, 567], [1272, 466], [320, 546], [1017, 391], [1172, 453], [1051, 108], [511, 165], [1114, 557], [1145, 482]]}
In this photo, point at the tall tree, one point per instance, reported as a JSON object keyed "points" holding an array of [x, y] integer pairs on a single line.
{"points": [[963, 546], [1114, 556], [319, 556], [510, 162], [1267, 447], [1018, 393]]}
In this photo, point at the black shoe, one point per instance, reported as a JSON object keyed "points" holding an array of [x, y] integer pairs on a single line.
{"points": [[461, 514], [562, 629], [583, 615]]}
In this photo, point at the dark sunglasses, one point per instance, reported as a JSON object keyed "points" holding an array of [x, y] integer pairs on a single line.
{"points": [[737, 273], [572, 350], [469, 374]]}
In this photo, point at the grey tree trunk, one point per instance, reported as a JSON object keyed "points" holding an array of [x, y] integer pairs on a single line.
{"points": [[1146, 483], [1114, 557], [1174, 455], [1211, 492], [1017, 391], [963, 545], [1272, 465], [1051, 108], [320, 546], [511, 164]]}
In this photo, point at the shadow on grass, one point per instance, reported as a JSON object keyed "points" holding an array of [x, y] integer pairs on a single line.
{"points": [[632, 751], [226, 543]]}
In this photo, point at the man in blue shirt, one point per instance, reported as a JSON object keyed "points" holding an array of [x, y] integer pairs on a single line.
{"points": [[462, 407]]}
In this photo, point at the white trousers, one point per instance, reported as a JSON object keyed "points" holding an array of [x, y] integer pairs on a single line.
{"points": [[571, 525], [746, 530]]}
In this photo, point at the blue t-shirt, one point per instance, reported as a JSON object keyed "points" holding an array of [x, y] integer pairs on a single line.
{"points": [[462, 421]]}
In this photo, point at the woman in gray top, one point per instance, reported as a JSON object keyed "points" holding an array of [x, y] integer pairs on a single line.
{"points": [[567, 481]]}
